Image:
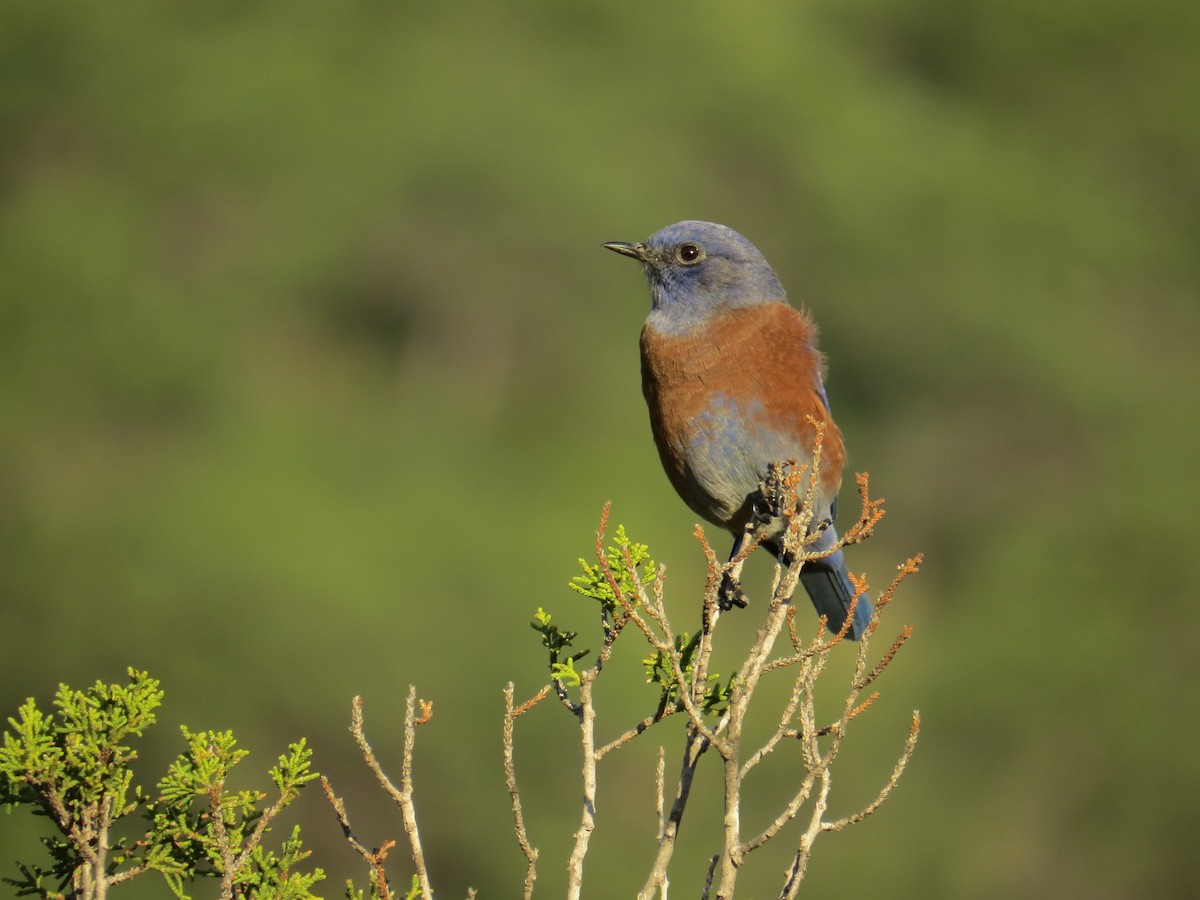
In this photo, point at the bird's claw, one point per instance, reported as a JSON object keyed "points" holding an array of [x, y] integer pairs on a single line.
{"points": [[730, 594], [775, 497], [764, 511]]}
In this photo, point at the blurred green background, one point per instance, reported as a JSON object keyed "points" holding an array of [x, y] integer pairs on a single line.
{"points": [[314, 377]]}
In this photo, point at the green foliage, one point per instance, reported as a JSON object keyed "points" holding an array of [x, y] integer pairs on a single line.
{"points": [[620, 568], [555, 641], [218, 831], [75, 769], [624, 558], [565, 672], [374, 893], [629, 567], [626, 565], [658, 671], [271, 876]]}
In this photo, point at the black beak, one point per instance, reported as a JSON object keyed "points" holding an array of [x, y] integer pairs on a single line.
{"points": [[637, 251]]}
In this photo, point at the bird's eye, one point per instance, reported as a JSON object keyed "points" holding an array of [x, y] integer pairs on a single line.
{"points": [[689, 253]]}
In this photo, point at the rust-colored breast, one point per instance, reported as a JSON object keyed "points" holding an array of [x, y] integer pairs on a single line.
{"points": [[729, 400]]}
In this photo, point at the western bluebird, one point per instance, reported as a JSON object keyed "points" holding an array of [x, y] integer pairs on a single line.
{"points": [[731, 373]]}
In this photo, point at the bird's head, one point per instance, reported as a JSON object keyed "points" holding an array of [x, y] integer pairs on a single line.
{"points": [[697, 269]]}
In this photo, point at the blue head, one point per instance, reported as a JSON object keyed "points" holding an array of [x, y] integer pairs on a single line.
{"points": [[696, 269]]}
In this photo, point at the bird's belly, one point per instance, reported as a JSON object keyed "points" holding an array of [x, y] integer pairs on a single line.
{"points": [[723, 452], [727, 403]]}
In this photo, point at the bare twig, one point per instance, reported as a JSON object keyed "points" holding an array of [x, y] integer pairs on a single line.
{"points": [[510, 778], [743, 689], [804, 853], [691, 695], [657, 716], [373, 858], [792, 633], [402, 796], [696, 744], [660, 773], [587, 824], [854, 713], [781, 731], [787, 479], [818, 764], [786, 815], [790, 495], [886, 659], [708, 880], [906, 754]]}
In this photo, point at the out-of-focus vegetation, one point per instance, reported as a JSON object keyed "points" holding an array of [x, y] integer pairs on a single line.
{"points": [[313, 379]]}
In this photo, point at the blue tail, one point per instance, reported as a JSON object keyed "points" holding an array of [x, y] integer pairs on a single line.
{"points": [[832, 594], [828, 584]]}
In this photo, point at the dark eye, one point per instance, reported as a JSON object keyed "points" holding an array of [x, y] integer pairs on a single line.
{"points": [[689, 253]]}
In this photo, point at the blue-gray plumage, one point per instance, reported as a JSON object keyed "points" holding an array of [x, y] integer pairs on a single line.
{"points": [[732, 375]]}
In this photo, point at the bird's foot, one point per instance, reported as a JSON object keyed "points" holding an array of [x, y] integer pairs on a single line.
{"points": [[764, 512], [776, 494], [730, 593]]}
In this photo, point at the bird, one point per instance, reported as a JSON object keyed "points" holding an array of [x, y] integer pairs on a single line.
{"points": [[731, 375]]}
